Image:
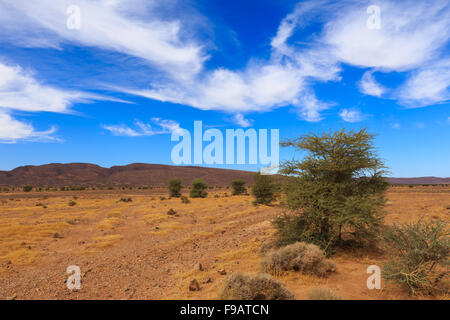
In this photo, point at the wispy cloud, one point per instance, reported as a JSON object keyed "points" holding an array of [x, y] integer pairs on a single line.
{"points": [[368, 85], [112, 25], [427, 85], [241, 121], [412, 36], [19, 90], [13, 130], [143, 129], [351, 115]]}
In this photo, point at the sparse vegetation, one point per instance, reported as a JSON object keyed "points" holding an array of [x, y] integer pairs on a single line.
{"points": [[302, 257], [336, 193], [27, 188], [238, 187], [419, 254], [185, 200], [72, 203], [175, 187], [322, 294], [264, 189], [125, 200], [198, 189], [259, 287]]}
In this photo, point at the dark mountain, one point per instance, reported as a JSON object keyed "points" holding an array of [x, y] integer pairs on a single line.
{"points": [[139, 174]]}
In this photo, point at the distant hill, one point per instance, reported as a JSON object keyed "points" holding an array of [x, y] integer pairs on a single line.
{"points": [[139, 174], [136, 174], [420, 180]]}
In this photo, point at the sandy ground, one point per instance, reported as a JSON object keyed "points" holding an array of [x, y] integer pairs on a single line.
{"points": [[135, 250]]}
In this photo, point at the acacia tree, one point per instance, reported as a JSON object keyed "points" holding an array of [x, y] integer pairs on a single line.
{"points": [[198, 189], [335, 193], [238, 187], [175, 187], [264, 189]]}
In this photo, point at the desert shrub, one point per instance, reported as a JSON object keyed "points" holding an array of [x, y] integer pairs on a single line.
{"points": [[198, 189], [336, 193], [419, 255], [303, 257], [27, 188], [71, 203], [175, 187], [125, 200], [322, 294], [238, 187], [264, 189], [185, 199], [240, 286]]}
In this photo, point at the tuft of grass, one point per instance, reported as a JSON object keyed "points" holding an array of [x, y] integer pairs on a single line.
{"points": [[322, 294], [72, 203], [302, 257], [240, 286], [185, 200]]}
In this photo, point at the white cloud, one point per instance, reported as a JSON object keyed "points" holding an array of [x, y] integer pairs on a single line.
{"points": [[241, 121], [12, 130], [112, 25], [368, 85], [19, 90], [351, 115], [143, 129], [411, 33], [428, 85]]}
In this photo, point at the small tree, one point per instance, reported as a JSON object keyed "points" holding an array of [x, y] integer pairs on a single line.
{"points": [[198, 189], [238, 187], [264, 189], [175, 187], [27, 188], [419, 254], [335, 193]]}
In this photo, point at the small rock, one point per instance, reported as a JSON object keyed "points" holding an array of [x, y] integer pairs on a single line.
{"points": [[194, 286], [56, 235], [222, 272], [207, 280], [199, 267], [171, 212], [8, 262], [14, 297]]}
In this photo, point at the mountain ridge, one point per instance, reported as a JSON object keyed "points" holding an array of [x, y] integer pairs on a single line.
{"points": [[141, 174]]}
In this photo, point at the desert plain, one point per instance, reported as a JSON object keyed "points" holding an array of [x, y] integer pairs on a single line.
{"points": [[136, 250]]}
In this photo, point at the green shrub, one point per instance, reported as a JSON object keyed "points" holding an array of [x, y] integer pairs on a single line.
{"points": [[198, 189], [419, 254], [175, 187], [238, 187], [336, 193], [302, 257], [27, 188], [240, 286], [263, 189], [125, 200], [322, 294]]}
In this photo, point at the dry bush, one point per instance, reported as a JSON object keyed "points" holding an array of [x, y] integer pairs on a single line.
{"points": [[322, 294], [266, 246], [300, 256], [240, 286], [185, 200]]}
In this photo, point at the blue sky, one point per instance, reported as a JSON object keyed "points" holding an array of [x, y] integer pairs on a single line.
{"points": [[108, 84]]}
